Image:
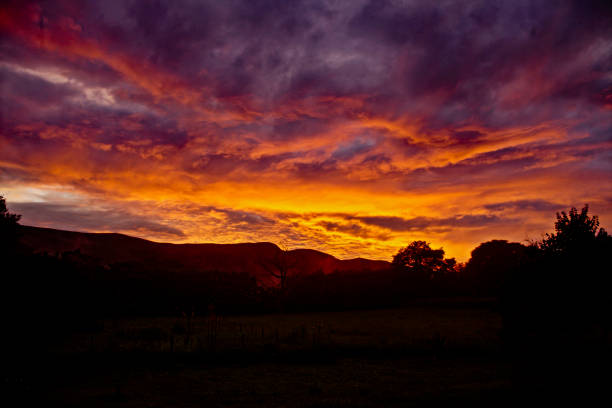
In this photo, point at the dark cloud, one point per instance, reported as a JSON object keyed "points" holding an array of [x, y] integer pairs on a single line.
{"points": [[347, 151], [465, 137], [233, 217], [69, 217], [352, 229], [24, 96], [31, 90], [422, 223], [396, 24], [526, 205], [226, 164], [316, 169], [284, 129], [469, 50], [395, 52], [244, 217]]}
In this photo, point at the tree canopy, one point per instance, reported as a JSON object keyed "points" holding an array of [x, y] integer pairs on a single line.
{"points": [[574, 232], [6, 218], [420, 258], [492, 261], [8, 225]]}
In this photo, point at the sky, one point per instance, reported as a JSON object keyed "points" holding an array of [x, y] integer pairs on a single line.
{"points": [[351, 127]]}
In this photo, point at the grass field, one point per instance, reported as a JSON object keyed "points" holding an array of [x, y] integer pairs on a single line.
{"points": [[399, 357], [416, 356], [354, 381], [413, 329]]}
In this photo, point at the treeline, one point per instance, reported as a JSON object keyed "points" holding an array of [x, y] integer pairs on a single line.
{"points": [[563, 278], [74, 287]]}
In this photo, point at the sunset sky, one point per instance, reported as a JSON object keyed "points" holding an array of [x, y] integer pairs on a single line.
{"points": [[351, 127]]}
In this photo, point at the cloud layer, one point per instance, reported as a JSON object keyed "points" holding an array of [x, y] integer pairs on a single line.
{"points": [[351, 127]]}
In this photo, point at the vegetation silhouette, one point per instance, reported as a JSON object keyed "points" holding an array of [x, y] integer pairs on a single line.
{"points": [[553, 296], [419, 258], [555, 304], [491, 264], [281, 266], [8, 227], [575, 233], [564, 279]]}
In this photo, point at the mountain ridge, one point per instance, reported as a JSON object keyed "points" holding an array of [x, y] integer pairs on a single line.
{"points": [[255, 258]]}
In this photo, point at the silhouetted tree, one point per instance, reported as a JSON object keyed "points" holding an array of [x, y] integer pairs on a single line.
{"points": [[566, 274], [8, 227], [491, 262], [281, 265], [574, 232], [420, 258], [575, 264], [556, 306]]}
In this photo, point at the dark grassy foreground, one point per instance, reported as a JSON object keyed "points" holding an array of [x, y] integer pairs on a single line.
{"points": [[429, 355]]}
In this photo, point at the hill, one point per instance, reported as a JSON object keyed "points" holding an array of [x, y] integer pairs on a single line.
{"points": [[256, 259]]}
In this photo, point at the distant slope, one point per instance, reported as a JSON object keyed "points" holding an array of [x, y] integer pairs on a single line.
{"points": [[253, 258]]}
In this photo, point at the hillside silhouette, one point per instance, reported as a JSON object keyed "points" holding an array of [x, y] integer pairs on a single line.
{"points": [[255, 259]]}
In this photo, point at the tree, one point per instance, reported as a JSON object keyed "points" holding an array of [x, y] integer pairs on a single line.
{"points": [[578, 255], [565, 280], [556, 305], [420, 258], [574, 233], [281, 265], [491, 262], [8, 226]]}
